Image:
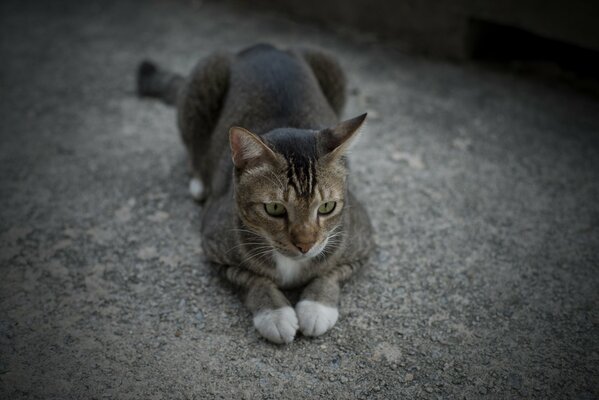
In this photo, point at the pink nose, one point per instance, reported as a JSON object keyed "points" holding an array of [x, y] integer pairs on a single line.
{"points": [[304, 247]]}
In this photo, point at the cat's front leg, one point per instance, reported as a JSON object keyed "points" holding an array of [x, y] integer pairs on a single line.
{"points": [[317, 310], [273, 316]]}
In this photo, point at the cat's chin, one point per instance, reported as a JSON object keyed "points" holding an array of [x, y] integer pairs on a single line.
{"points": [[292, 255]]}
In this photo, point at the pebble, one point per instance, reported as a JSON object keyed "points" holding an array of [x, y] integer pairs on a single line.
{"points": [[159, 216], [413, 160], [147, 253], [515, 381], [409, 377]]}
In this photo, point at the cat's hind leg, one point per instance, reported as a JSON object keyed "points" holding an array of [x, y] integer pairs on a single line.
{"points": [[330, 76], [196, 189], [198, 110]]}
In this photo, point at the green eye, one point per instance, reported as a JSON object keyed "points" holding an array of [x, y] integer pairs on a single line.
{"points": [[275, 209], [327, 208]]}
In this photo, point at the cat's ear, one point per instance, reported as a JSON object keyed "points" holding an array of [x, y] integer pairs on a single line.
{"points": [[247, 148], [334, 142]]}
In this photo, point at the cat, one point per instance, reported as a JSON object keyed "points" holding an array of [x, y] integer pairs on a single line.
{"points": [[268, 160]]}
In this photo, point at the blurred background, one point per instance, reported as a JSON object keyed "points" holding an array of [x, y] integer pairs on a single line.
{"points": [[554, 38], [479, 167]]}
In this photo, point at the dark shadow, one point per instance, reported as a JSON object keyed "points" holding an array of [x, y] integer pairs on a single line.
{"points": [[524, 52]]}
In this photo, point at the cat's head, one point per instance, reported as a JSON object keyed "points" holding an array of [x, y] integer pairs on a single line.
{"points": [[290, 185]]}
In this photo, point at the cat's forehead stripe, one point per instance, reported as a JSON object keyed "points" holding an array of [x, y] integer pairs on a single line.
{"points": [[299, 149], [301, 175]]}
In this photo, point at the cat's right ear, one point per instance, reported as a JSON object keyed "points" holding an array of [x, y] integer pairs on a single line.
{"points": [[334, 142], [247, 149]]}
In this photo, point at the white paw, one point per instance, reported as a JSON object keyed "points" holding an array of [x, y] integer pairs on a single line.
{"points": [[315, 318], [278, 325], [196, 188]]}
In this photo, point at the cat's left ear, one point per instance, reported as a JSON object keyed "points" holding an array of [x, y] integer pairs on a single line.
{"points": [[334, 142], [247, 149]]}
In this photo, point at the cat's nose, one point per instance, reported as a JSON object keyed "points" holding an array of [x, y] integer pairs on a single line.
{"points": [[304, 247]]}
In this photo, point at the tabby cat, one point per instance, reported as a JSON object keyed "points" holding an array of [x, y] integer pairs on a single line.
{"points": [[268, 158]]}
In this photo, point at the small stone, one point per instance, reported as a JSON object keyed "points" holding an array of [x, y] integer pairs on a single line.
{"points": [[147, 253], [428, 389], [515, 381], [178, 333], [462, 143], [159, 216], [123, 214], [413, 160], [373, 114], [409, 377]]}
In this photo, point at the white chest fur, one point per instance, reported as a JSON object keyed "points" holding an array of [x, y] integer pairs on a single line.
{"points": [[289, 272]]}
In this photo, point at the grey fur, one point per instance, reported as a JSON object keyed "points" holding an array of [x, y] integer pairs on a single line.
{"points": [[284, 97]]}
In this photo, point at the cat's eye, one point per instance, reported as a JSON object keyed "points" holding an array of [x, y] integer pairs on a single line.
{"points": [[327, 208], [275, 209]]}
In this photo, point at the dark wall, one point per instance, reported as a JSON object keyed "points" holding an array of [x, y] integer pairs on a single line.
{"points": [[443, 28]]}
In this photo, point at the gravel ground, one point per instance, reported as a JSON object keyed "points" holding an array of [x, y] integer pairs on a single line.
{"points": [[483, 189]]}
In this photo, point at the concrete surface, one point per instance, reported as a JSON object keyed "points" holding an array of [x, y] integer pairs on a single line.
{"points": [[483, 189]]}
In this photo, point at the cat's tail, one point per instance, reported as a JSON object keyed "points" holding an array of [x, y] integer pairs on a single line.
{"points": [[153, 81]]}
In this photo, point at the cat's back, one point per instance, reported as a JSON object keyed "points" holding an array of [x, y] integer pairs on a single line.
{"points": [[271, 88], [271, 71]]}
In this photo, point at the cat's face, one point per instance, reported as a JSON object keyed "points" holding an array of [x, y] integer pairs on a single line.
{"points": [[291, 185], [296, 223]]}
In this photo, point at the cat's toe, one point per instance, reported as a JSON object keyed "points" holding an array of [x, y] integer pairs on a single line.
{"points": [[278, 326], [196, 189], [315, 318]]}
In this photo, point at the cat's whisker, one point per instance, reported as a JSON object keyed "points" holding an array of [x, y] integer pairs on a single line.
{"points": [[244, 243], [257, 248], [246, 231], [258, 256]]}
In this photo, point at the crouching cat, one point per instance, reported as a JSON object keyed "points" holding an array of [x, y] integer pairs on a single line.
{"points": [[268, 159]]}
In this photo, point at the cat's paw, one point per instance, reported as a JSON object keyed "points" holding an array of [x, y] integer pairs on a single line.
{"points": [[196, 189], [278, 326], [315, 318]]}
